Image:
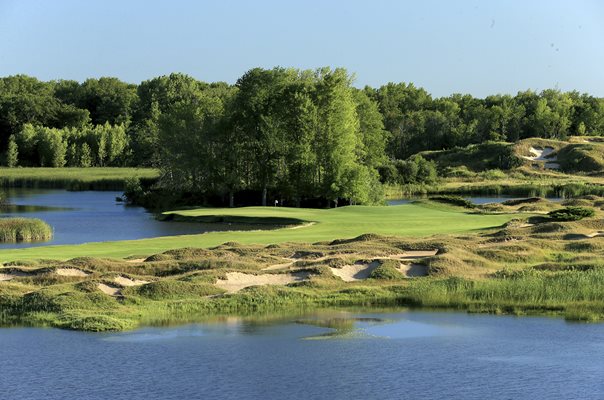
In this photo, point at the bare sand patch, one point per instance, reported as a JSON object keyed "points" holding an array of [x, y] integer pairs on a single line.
{"points": [[70, 272], [236, 281], [302, 225], [414, 270], [9, 275], [125, 281], [355, 272], [110, 290], [136, 260], [543, 154], [413, 254], [595, 234], [274, 267]]}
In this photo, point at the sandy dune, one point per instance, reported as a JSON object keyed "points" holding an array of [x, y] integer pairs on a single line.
{"points": [[595, 234], [414, 270], [70, 272], [110, 290], [8, 275], [136, 260], [413, 254], [237, 280], [124, 281], [278, 266], [355, 272], [543, 155]]}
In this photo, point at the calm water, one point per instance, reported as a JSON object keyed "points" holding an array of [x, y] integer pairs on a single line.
{"points": [[403, 355], [92, 216], [475, 200]]}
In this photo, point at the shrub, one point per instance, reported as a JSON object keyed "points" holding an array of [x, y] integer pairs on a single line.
{"points": [[386, 271], [454, 200], [571, 213], [493, 174]]}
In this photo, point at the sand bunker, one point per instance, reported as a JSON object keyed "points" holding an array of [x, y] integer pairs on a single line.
{"points": [[539, 154], [136, 260], [7, 276], [70, 272], [595, 234], [414, 270], [110, 290], [413, 254], [124, 281], [236, 281], [355, 272], [278, 266]]}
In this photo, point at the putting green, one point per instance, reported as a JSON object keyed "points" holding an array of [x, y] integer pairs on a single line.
{"points": [[414, 220]]}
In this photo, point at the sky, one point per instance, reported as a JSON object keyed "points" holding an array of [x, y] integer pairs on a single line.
{"points": [[479, 47]]}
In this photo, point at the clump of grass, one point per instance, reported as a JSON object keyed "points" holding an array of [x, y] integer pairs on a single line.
{"points": [[173, 289], [571, 213], [454, 200], [387, 271], [24, 230]]}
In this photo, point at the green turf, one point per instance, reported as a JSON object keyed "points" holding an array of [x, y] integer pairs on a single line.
{"points": [[412, 220]]}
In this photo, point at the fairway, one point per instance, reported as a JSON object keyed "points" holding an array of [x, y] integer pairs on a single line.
{"points": [[411, 220]]}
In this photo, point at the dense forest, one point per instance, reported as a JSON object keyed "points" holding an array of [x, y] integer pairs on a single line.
{"points": [[286, 134]]}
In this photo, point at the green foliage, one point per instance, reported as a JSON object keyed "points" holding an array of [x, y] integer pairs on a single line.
{"points": [[454, 200], [12, 153], [172, 289], [415, 170], [571, 213], [480, 157], [387, 271]]}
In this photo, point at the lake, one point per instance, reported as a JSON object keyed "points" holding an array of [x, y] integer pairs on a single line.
{"points": [[395, 355], [95, 216], [473, 199]]}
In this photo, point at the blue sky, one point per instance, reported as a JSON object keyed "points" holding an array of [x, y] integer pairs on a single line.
{"points": [[478, 47]]}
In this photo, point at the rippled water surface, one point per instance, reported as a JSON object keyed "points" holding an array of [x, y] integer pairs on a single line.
{"points": [[330, 355]]}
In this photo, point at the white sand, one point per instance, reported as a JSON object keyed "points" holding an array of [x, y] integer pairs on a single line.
{"points": [[413, 254], [414, 270], [236, 281], [110, 290], [543, 155], [278, 266], [595, 234], [136, 260], [355, 272], [124, 281], [7, 276], [70, 272]]}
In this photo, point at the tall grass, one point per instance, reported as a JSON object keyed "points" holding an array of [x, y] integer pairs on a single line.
{"points": [[74, 178], [24, 230]]}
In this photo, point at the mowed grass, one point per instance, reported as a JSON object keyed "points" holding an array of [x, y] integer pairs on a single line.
{"points": [[410, 220]]}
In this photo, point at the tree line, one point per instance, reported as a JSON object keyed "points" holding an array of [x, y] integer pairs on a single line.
{"points": [[283, 133]]}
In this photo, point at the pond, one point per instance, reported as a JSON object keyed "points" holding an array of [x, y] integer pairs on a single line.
{"points": [[324, 355], [473, 199], [94, 216]]}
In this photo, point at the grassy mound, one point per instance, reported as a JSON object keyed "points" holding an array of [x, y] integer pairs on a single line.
{"points": [[24, 230], [478, 157], [582, 157]]}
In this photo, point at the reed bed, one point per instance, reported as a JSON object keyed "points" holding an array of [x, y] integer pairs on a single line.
{"points": [[24, 230]]}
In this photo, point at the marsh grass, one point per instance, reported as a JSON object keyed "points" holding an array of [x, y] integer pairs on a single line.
{"points": [[24, 230], [74, 178]]}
